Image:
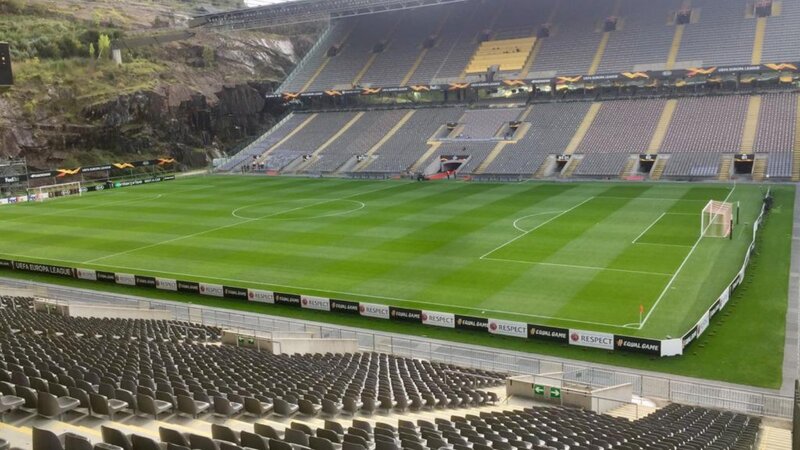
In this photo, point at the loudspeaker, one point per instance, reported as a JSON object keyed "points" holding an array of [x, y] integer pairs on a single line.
{"points": [[6, 77]]}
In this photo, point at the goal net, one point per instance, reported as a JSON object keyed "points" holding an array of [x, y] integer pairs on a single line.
{"points": [[43, 193], [717, 219]]}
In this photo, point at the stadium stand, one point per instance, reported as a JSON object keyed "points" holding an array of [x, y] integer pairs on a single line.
{"points": [[319, 129], [778, 32], [342, 69], [408, 144], [574, 39], [776, 131], [638, 118], [723, 35], [87, 369], [277, 133], [391, 66], [447, 39], [356, 141], [701, 130], [695, 134]]}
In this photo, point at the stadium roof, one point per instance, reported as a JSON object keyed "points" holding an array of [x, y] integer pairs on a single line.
{"points": [[281, 12]]}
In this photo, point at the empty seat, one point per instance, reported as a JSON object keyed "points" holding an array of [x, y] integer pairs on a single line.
{"points": [[175, 437], [46, 440], [200, 442], [50, 406], [104, 406], [144, 443], [223, 433], [283, 408], [256, 407], [192, 407], [225, 407], [149, 405], [116, 437]]}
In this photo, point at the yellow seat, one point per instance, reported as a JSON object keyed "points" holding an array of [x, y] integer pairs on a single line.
{"points": [[509, 54]]}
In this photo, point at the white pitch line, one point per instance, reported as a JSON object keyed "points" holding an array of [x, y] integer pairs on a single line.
{"points": [[534, 228], [574, 266], [683, 263], [99, 205], [532, 215], [307, 289], [648, 228], [663, 244], [361, 205], [231, 225], [653, 198]]}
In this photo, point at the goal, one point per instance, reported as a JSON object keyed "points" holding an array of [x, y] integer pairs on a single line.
{"points": [[717, 219], [43, 193]]}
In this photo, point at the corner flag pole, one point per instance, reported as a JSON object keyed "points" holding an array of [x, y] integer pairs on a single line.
{"points": [[641, 311]]}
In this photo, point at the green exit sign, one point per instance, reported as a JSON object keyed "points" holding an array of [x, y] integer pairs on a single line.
{"points": [[538, 389], [555, 392]]}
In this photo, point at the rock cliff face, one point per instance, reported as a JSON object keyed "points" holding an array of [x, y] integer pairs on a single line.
{"points": [[205, 103]]}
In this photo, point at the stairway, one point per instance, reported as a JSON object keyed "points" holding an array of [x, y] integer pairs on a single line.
{"points": [[675, 47], [492, 156], [758, 40], [725, 167], [751, 124], [569, 169], [772, 438], [759, 167], [630, 168], [598, 54], [331, 140], [663, 125], [286, 138], [431, 150], [368, 160], [546, 168], [658, 168], [580, 133]]}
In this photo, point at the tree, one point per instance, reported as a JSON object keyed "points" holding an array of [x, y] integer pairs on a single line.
{"points": [[103, 46], [91, 50]]}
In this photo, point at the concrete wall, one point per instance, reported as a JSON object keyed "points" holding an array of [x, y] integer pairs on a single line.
{"points": [[100, 311], [293, 346], [612, 397], [289, 342], [575, 395], [113, 312]]}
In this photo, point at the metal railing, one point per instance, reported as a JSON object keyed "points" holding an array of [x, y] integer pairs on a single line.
{"points": [[740, 399], [311, 53]]}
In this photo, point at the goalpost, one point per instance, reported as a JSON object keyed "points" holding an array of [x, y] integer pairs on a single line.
{"points": [[43, 193], [717, 219]]}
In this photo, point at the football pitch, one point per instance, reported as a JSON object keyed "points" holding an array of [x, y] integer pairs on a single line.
{"points": [[581, 255]]}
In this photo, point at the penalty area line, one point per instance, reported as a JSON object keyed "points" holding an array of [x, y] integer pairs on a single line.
{"points": [[544, 213], [648, 228], [575, 266], [534, 228], [678, 271]]}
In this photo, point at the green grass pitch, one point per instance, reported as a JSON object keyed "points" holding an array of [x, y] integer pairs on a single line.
{"points": [[580, 255], [432, 223]]}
